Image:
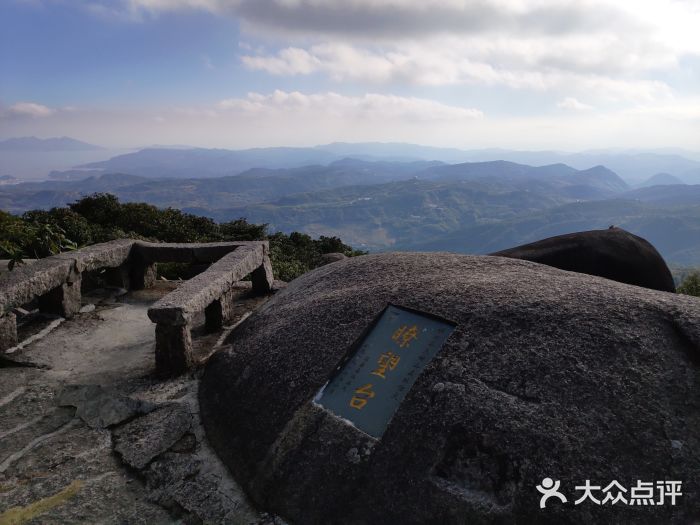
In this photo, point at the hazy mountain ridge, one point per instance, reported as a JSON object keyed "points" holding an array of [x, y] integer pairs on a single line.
{"points": [[471, 207], [200, 162], [50, 144], [268, 185], [674, 231], [632, 166], [661, 179]]}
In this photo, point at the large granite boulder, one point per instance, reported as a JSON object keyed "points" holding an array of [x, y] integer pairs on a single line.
{"points": [[547, 374], [613, 253]]}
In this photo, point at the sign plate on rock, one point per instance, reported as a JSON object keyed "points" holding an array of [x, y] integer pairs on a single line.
{"points": [[370, 385]]}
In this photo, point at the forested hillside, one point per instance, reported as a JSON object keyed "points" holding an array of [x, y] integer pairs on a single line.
{"points": [[101, 217]]}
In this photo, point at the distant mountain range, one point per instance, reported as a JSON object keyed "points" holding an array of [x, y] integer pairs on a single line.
{"points": [[51, 144], [661, 179], [466, 207], [399, 196], [674, 230], [633, 167]]}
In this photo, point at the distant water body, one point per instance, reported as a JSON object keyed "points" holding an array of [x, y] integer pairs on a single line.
{"points": [[33, 165]]}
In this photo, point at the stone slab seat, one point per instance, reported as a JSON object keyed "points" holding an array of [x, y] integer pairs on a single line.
{"points": [[97, 256], [174, 313], [195, 252], [55, 281]]}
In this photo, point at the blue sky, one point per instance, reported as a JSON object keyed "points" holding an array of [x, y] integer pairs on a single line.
{"points": [[537, 74]]}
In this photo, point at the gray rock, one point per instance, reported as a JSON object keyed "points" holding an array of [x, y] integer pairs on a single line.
{"points": [[181, 481], [139, 441], [101, 408], [548, 374], [612, 253], [328, 258], [8, 331], [86, 309]]}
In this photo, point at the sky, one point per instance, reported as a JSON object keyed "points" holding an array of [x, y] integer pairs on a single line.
{"points": [[523, 74]]}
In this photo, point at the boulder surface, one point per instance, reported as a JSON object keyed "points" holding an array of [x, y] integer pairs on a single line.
{"points": [[613, 253], [548, 374]]}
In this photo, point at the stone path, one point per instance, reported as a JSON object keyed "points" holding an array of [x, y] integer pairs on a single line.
{"points": [[89, 435]]}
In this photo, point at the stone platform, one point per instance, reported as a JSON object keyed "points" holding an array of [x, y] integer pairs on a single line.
{"points": [[89, 433], [55, 285]]}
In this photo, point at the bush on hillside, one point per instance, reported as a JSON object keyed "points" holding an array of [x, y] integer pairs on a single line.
{"points": [[101, 217], [690, 285]]}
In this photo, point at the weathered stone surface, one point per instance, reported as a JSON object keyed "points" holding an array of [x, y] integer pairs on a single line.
{"points": [[8, 331], [179, 306], [141, 440], [103, 255], [26, 282], [328, 258], [43, 276], [214, 316], [44, 449], [613, 253], [64, 300], [262, 277], [547, 374], [180, 481], [142, 275], [173, 349], [205, 252], [101, 408]]}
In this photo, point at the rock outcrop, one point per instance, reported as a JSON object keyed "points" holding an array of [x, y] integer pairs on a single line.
{"points": [[547, 374], [613, 253]]}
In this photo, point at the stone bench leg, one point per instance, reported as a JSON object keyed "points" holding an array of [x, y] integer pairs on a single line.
{"points": [[219, 312], [118, 277], [173, 349], [8, 331], [262, 277], [214, 316], [142, 275], [64, 300]]}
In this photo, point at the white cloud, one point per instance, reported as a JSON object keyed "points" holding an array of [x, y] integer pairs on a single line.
{"points": [[573, 104], [290, 61], [288, 118], [29, 109], [688, 110], [371, 106], [640, 21], [616, 48], [452, 62]]}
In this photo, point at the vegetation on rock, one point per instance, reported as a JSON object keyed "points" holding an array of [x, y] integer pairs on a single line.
{"points": [[690, 284], [101, 217]]}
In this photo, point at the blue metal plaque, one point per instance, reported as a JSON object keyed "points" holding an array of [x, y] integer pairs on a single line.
{"points": [[368, 388]]}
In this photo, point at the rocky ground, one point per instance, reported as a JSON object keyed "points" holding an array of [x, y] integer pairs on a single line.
{"points": [[89, 435]]}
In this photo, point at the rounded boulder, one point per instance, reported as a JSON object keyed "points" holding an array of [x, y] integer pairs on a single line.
{"points": [[546, 374]]}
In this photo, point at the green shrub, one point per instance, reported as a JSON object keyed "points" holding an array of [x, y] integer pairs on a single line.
{"points": [[101, 218], [690, 285]]}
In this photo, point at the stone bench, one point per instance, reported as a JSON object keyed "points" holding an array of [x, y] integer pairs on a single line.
{"points": [[56, 283], [209, 292]]}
